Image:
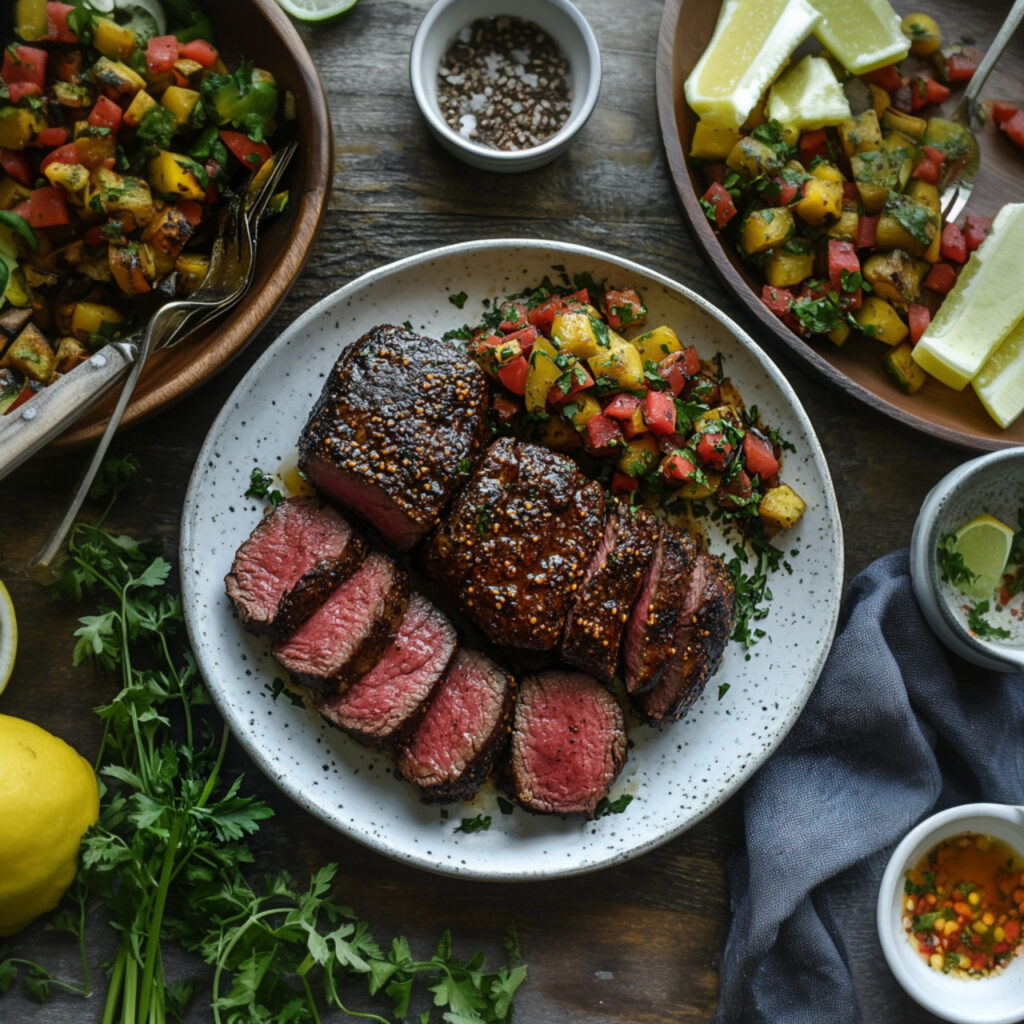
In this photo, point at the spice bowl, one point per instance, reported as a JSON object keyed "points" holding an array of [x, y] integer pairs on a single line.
{"points": [[447, 22], [995, 999], [992, 484]]}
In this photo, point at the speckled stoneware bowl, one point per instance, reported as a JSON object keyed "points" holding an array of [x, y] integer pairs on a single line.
{"points": [[994, 484], [561, 21], [676, 774], [998, 999]]}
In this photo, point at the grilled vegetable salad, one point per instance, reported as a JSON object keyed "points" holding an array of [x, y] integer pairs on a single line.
{"points": [[121, 132]]}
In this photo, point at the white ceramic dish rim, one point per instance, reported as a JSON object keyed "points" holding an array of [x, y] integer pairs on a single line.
{"points": [[925, 572], [994, 1000], [583, 106], [799, 692]]}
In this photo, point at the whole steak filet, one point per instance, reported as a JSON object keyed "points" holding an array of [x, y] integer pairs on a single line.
{"points": [[398, 423]]}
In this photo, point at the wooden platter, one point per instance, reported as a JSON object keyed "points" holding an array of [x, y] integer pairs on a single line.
{"points": [[958, 417]]}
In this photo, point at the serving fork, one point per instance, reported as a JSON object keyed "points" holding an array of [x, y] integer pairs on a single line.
{"points": [[960, 180]]}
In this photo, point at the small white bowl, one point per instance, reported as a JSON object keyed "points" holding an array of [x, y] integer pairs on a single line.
{"points": [[994, 484], [560, 20], [998, 999]]}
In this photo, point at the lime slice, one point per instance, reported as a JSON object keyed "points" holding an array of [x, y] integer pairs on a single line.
{"points": [[8, 636], [808, 95], [984, 544], [1000, 382], [752, 40], [985, 304], [861, 34], [315, 10]]}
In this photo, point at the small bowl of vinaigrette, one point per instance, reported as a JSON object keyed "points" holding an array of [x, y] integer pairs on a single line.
{"points": [[950, 910]]}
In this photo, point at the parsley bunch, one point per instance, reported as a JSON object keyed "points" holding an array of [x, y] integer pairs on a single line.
{"points": [[165, 859]]}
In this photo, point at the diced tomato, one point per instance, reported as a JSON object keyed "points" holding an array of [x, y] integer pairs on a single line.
{"points": [[96, 235], [578, 378], [200, 51], [19, 90], [253, 154], [67, 64], [622, 406], [526, 338], [867, 231], [889, 77], [691, 361], [24, 65], [676, 466], [811, 146], [738, 489], [51, 138], [514, 314], [928, 170], [192, 210], [759, 455], [513, 375], [976, 230], [603, 434], [106, 114], [782, 193], [960, 67], [542, 314], [1002, 110], [933, 154], [778, 300], [16, 164], [623, 483], [624, 307], [659, 413], [673, 370], [30, 388], [953, 245], [941, 278], [918, 319], [161, 53], [505, 409], [842, 256], [45, 208], [850, 192], [57, 30], [1014, 128], [66, 154], [702, 388], [721, 202], [714, 450], [935, 92], [1011, 929]]}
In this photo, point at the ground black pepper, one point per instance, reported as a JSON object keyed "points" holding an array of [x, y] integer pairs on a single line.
{"points": [[504, 83]]}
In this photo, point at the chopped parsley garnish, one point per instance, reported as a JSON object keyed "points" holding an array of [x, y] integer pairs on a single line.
{"points": [[616, 806], [914, 217], [981, 627], [483, 521], [952, 568], [260, 487], [458, 299], [819, 316], [481, 823], [723, 689]]}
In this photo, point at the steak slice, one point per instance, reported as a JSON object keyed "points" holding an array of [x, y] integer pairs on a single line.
{"points": [[598, 617], [344, 638], [568, 743], [290, 563], [650, 638], [385, 704], [463, 731], [517, 542], [703, 630], [398, 419]]}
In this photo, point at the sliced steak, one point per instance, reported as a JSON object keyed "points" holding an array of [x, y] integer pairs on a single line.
{"points": [[386, 703], [291, 562], [399, 420], [517, 542], [568, 743], [702, 632], [650, 637], [345, 637], [463, 731], [598, 617]]}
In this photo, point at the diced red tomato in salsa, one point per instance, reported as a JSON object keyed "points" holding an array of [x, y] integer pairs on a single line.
{"points": [[16, 164], [624, 307], [161, 53], [714, 450], [1014, 128], [759, 455], [659, 409], [106, 114], [888, 78], [953, 245], [721, 203], [579, 379], [678, 466], [1002, 110], [253, 154], [603, 434], [622, 406], [24, 65], [732, 492], [513, 375], [918, 319], [57, 30], [941, 278], [623, 483], [51, 138], [778, 300], [811, 146], [200, 51], [976, 230], [44, 208], [960, 67], [867, 231]]}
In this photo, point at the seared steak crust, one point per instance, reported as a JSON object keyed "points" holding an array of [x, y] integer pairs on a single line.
{"points": [[568, 743], [346, 636], [294, 558], [701, 637], [598, 617], [652, 624], [399, 419], [385, 704], [517, 542], [464, 730]]}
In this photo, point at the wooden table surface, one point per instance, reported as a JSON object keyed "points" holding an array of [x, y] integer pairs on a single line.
{"points": [[638, 943]]}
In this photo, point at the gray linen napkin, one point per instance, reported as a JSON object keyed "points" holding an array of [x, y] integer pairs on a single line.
{"points": [[896, 728]]}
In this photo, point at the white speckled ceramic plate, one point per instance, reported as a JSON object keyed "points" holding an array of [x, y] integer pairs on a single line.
{"points": [[676, 774]]}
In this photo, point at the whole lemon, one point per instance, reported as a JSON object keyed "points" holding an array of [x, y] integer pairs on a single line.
{"points": [[48, 798]]}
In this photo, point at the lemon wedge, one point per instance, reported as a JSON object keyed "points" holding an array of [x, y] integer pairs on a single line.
{"points": [[986, 303], [315, 10], [8, 636], [861, 34], [752, 41], [984, 544], [1000, 382], [808, 96]]}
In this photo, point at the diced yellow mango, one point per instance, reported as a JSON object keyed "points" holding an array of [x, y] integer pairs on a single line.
{"points": [[180, 102], [574, 333], [767, 228], [89, 317], [785, 269], [781, 507], [174, 175], [822, 202], [113, 40], [638, 455], [586, 408], [877, 319], [657, 343], [621, 363], [18, 126], [138, 107], [712, 141], [541, 375]]}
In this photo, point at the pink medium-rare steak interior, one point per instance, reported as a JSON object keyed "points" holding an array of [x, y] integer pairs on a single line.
{"points": [[568, 743], [302, 546], [384, 703], [346, 635]]}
